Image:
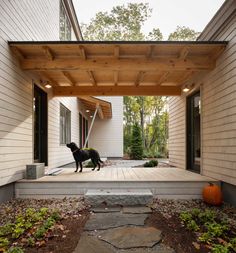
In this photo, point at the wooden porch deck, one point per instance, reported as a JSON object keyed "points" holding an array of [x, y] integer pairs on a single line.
{"points": [[166, 182]]}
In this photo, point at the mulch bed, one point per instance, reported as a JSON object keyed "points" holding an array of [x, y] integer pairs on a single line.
{"points": [[174, 234], [64, 241]]}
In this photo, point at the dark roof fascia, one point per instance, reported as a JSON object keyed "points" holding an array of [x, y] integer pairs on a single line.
{"points": [[121, 42]]}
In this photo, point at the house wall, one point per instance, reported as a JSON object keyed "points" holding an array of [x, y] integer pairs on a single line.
{"points": [[26, 21], [218, 97], [177, 131], [107, 135], [219, 100]]}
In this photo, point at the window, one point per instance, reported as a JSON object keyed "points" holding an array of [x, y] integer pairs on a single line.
{"points": [[83, 130], [65, 125], [65, 25]]}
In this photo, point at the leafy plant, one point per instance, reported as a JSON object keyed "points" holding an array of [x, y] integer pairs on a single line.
{"points": [[55, 215], [89, 165], [207, 216], [218, 248], [6, 229], [4, 242], [205, 237], [232, 244], [18, 231], [192, 225], [216, 229], [40, 232], [186, 216], [31, 242], [151, 163], [15, 250]]}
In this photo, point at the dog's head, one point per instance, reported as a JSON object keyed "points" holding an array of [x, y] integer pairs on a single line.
{"points": [[72, 146]]}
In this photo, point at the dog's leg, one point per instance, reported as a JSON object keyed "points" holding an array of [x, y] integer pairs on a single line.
{"points": [[98, 166], [94, 164], [77, 165], [81, 166]]}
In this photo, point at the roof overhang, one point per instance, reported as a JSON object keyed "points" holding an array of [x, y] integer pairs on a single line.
{"points": [[91, 104], [80, 68]]}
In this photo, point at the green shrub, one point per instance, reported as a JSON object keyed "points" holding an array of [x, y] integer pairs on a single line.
{"points": [[15, 250], [3, 242], [232, 244], [192, 225], [136, 152], [152, 163], [186, 216], [207, 216], [218, 248], [89, 165]]}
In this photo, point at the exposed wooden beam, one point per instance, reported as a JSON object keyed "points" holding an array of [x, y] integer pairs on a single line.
{"points": [[91, 78], [168, 64], [163, 78], [69, 78], [83, 53], [45, 76], [69, 91], [18, 53], [100, 112], [150, 52], [48, 53], [94, 100], [116, 77], [184, 53], [116, 52], [139, 78]]}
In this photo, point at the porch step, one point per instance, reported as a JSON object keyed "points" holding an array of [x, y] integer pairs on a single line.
{"points": [[124, 197]]}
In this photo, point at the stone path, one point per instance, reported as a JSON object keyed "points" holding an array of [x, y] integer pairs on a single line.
{"points": [[120, 230]]}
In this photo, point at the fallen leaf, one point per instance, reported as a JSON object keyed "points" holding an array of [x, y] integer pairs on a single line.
{"points": [[196, 245]]}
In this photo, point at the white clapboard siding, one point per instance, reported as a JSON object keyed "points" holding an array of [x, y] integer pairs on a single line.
{"points": [[177, 131], [218, 95], [20, 20], [107, 135], [60, 154]]}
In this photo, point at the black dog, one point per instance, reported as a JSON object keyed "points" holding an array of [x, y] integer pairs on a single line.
{"points": [[81, 155]]}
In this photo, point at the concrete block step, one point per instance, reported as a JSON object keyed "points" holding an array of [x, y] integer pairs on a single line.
{"points": [[124, 197]]}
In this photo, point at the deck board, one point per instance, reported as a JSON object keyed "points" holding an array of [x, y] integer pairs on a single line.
{"points": [[125, 174]]}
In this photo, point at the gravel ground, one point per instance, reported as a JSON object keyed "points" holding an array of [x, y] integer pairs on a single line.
{"points": [[168, 208], [67, 207]]}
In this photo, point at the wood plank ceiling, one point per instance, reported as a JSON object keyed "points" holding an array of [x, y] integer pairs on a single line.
{"points": [[117, 68]]}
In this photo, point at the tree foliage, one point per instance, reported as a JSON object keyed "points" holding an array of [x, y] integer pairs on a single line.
{"points": [[136, 143], [183, 33], [124, 23]]}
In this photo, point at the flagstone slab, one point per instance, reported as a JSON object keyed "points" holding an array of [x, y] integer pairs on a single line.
{"points": [[137, 209], [99, 221], [131, 237], [106, 209], [90, 244]]}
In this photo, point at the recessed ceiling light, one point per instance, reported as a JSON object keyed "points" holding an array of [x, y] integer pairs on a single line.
{"points": [[48, 86], [87, 110], [186, 89], [91, 116]]}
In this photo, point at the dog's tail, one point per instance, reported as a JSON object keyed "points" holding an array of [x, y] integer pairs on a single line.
{"points": [[100, 161]]}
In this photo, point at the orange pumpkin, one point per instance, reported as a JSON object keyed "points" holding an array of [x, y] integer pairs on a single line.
{"points": [[212, 194]]}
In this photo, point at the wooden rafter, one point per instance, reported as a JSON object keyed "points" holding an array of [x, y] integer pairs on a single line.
{"points": [[18, 53], [48, 53], [167, 64], [83, 53], [69, 78], [116, 77], [91, 77], [139, 78], [45, 76], [76, 91], [184, 53], [116, 52], [150, 52], [100, 112], [163, 78]]}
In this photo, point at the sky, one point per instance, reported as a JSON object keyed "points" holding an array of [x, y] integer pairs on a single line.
{"points": [[166, 14]]}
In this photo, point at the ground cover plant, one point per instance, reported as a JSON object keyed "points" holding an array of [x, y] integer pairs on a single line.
{"points": [[151, 163], [192, 226], [216, 232], [41, 225]]}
